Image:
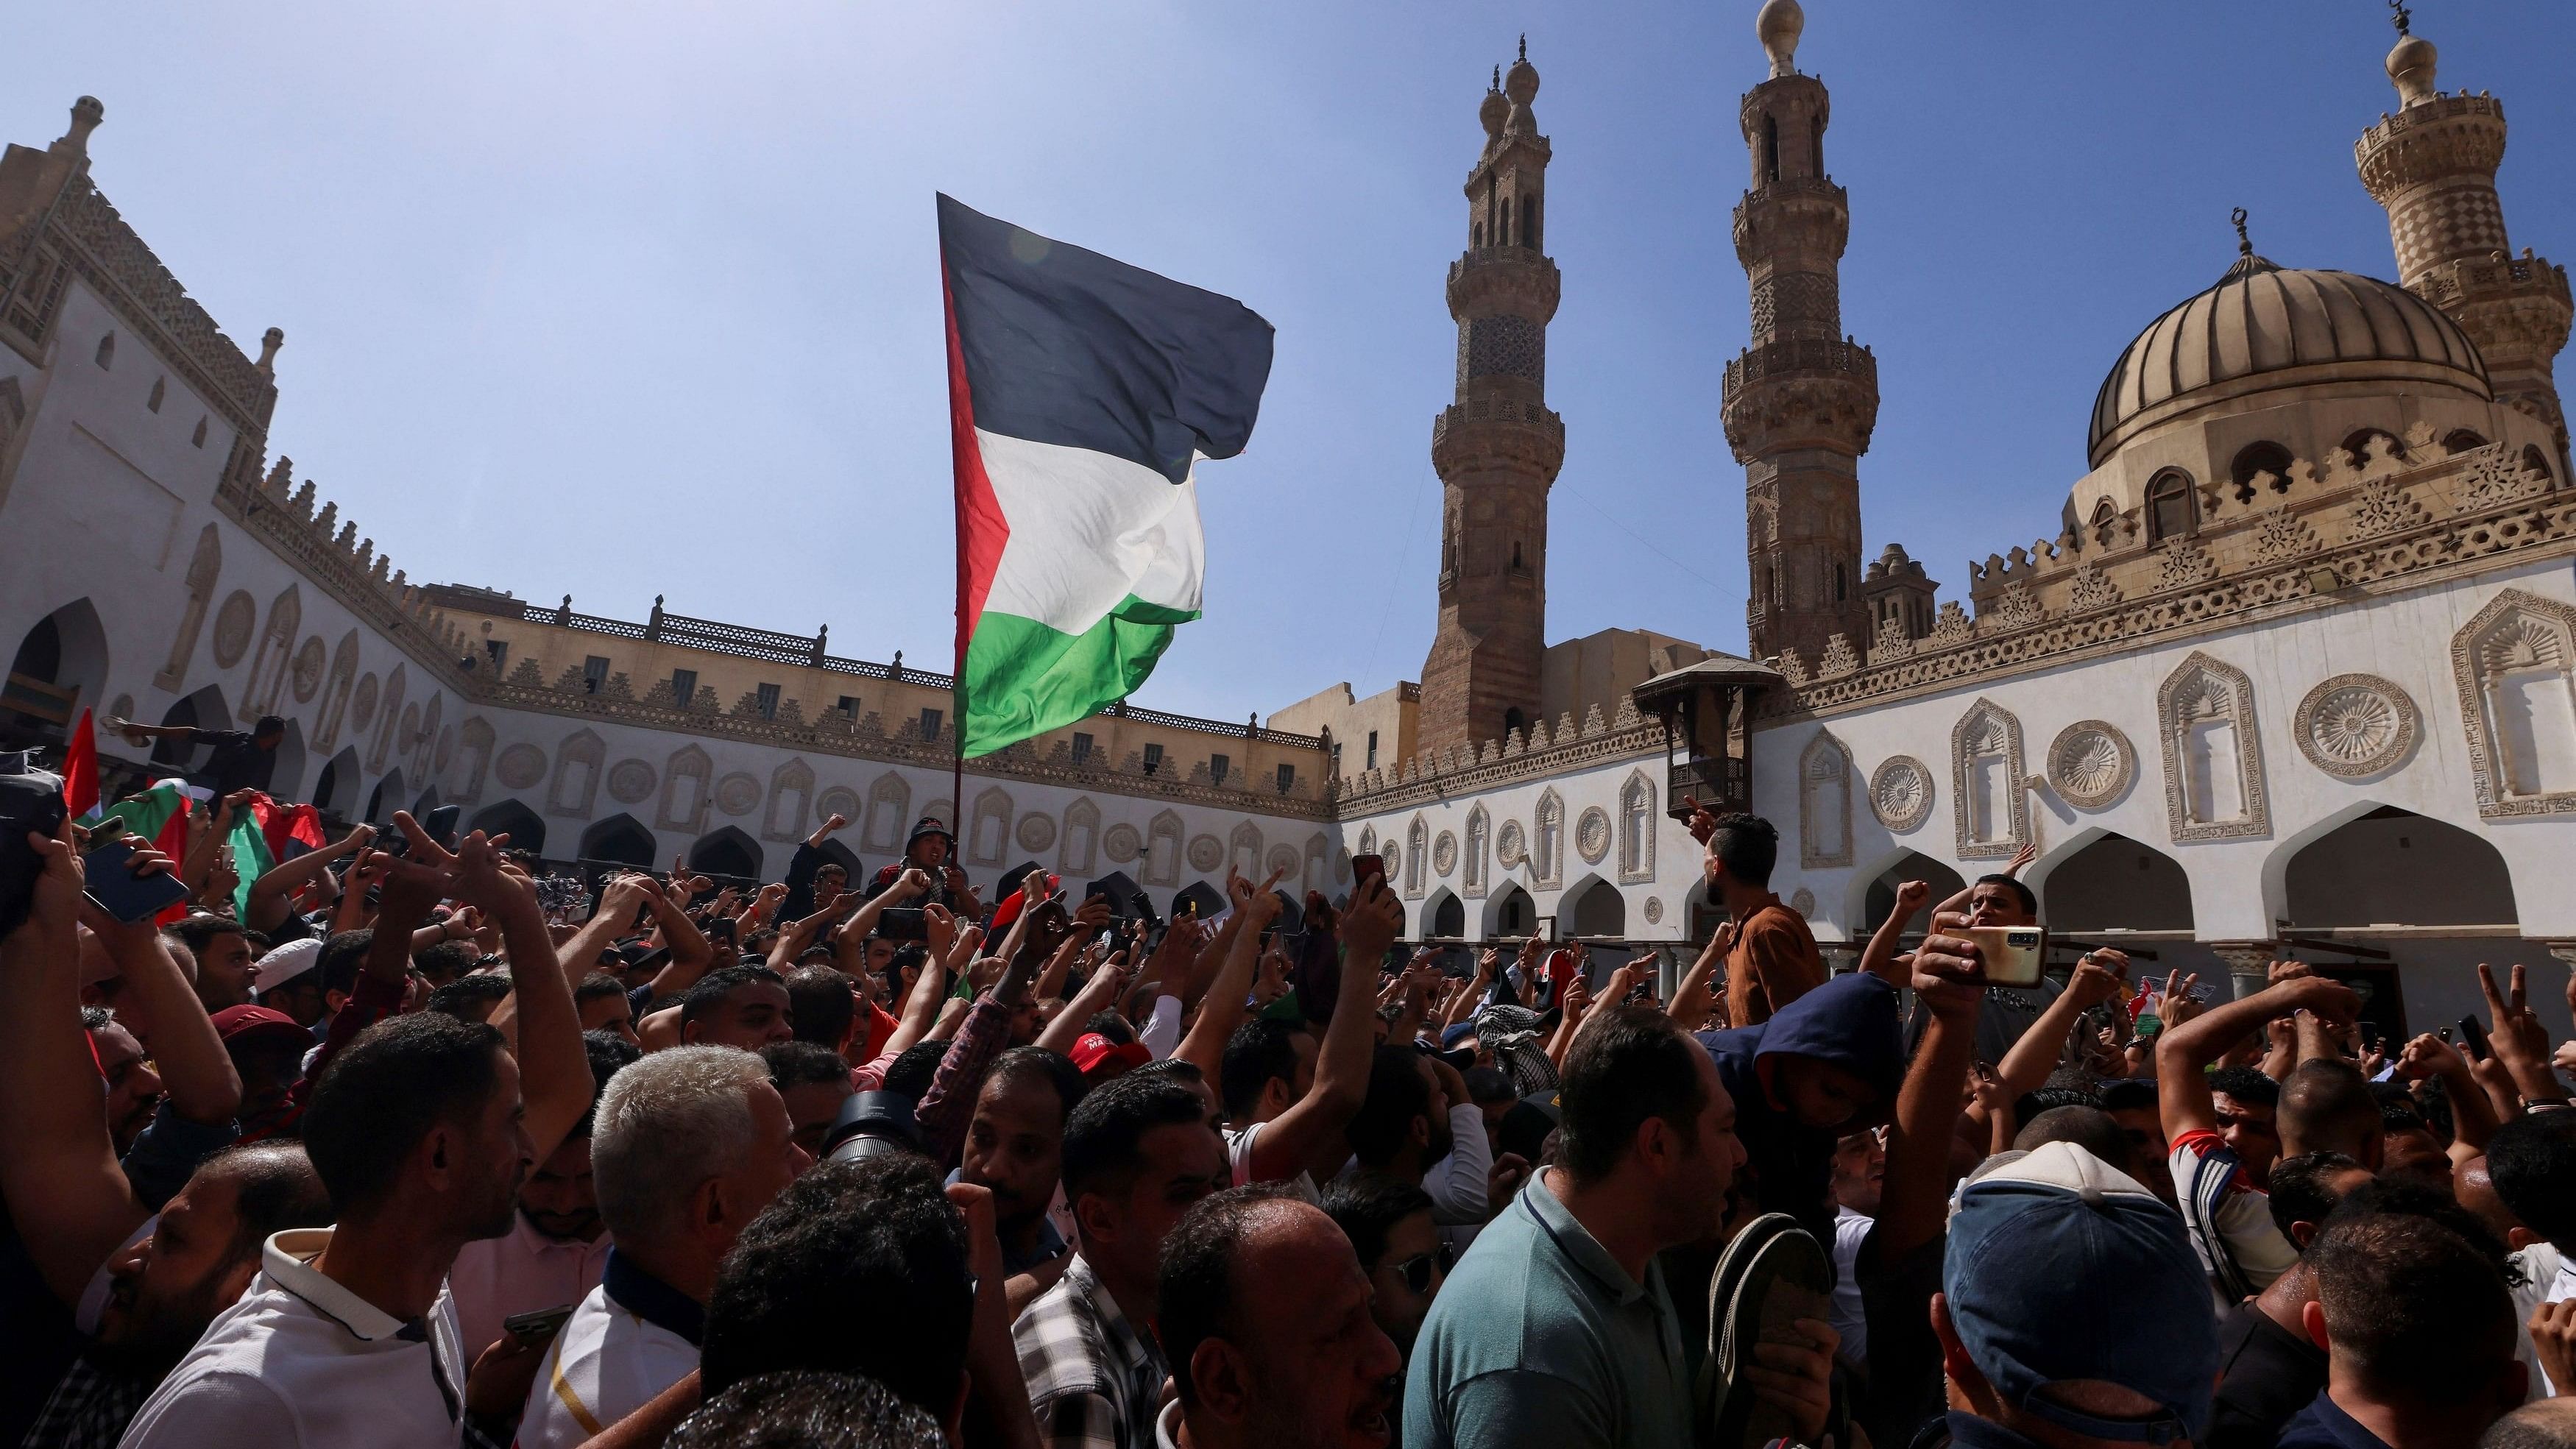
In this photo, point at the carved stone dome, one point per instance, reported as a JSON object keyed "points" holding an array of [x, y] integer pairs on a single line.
{"points": [[2263, 328]]}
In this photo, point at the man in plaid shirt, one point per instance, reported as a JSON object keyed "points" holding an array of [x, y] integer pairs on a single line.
{"points": [[1137, 1153]]}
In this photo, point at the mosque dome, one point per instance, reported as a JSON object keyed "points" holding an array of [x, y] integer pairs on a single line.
{"points": [[2263, 328]]}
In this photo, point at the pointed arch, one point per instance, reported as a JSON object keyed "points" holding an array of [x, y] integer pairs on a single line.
{"points": [[1368, 841], [1163, 837], [204, 709], [1594, 909], [2104, 881], [268, 666], [205, 566], [1444, 916], [727, 852], [685, 780], [1824, 803], [525, 830], [1509, 911], [387, 799], [473, 760], [791, 801], [336, 792], [335, 693], [1417, 857], [2213, 752], [578, 762], [59, 669], [1637, 828], [1243, 850], [987, 833], [2389, 866], [1319, 862], [621, 839], [388, 718], [1078, 852], [889, 814], [286, 764], [1476, 864], [1990, 811], [2514, 663], [1547, 840]]}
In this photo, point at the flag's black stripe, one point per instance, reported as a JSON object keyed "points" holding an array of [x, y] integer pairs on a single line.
{"points": [[1067, 346]]}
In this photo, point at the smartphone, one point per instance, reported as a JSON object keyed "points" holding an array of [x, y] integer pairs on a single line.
{"points": [[440, 824], [1365, 868], [123, 894], [2473, 1039], [2011, 953], [537, 1327]]}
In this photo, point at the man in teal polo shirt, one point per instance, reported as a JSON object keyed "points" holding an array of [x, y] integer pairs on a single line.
{"points": [[1556, 1329]]}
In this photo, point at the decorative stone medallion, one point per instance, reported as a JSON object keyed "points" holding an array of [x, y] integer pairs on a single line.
{"points": [[1394, 859], [1284, 864], [1206, 853], [1592, 835], [2355, 725], [233, 623], [308, 668], [1900, 792], [362, 706], [840, 800], [1511, 846], [630, 782], [1804, 903], [2091, 764], [520, 766], [1037, 832], [737, 794], [1444, 854], [1654, 909], [1122, 843]]}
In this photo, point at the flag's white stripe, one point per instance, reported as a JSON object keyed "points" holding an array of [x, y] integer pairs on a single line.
{"points": [[1088, 530]]}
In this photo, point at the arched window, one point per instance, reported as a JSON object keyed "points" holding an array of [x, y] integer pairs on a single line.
{"points": [[1476, 234], [1816, 151], [2170, 509], [1839, 584], [2536, 461], [2255, 459], [1503, 220], [2461, 440], [1770, 148], [107, 350], [160, 390], [1529, 222], [1514, 720], [1516, 553]]}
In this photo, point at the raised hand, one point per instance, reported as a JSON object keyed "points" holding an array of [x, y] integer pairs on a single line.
{"points": [[1369, 927], [2099, 977], [1910, 896], [2021, 858], [2521, 1043], [1702, 822], [938, 930]]}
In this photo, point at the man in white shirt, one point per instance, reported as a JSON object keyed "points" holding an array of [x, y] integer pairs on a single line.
{"points": [[2531, 1162], [419, 1132], [687, 1147]]}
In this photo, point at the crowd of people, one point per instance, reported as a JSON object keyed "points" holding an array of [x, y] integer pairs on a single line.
{"points": [[405, 1142]]}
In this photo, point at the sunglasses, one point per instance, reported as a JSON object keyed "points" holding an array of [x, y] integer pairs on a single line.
{"points": [[1418, 1270]]}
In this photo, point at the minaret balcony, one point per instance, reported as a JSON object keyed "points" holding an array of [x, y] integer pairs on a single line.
{"points": [[1524, 278], [1487, 431]]}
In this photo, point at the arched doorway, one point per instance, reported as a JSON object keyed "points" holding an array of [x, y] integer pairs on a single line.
{"points": [[1511, 912], [2394, 867], [844, 857], [2117, 884], [525, 830], [620, 839], [60, 667], [727, 853], [1913, 865], [203, 710], [336, 792], [1447, 918], [387, 798], [286, 776], [1596, 911], [1207, 898]]}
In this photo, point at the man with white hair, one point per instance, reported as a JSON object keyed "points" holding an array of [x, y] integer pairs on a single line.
{"points": [[688, 1146]]}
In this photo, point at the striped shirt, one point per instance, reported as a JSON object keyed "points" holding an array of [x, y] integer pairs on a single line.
{"points": [[2229, 1217]]}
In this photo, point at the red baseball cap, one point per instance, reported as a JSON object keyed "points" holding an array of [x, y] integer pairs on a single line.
{"points": [[233, 1023], [1096, 1054], [1009, 910]]}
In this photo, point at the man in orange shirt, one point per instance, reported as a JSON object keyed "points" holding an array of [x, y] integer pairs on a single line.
{"points": [[1771, 956]]}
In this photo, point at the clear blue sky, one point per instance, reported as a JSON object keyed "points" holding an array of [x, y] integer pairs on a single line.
{"points": [[637, 298]]}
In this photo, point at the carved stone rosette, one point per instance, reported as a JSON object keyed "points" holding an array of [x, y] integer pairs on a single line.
{"points": [[1900, 793], [2354, 726], [2091, 764]]}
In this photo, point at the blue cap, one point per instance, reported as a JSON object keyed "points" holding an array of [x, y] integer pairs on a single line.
{"points": [[2060, 1268]]}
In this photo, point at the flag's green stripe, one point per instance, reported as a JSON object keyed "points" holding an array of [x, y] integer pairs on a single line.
{"points": [[146, 813], [1023, 678], [250, 858]]}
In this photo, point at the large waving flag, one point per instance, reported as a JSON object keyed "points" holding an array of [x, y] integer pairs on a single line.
{"points": [[1081, 394]]}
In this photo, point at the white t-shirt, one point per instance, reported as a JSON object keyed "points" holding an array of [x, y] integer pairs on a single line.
{"points": [[2547, 1277], [608, 1361], [1851, 1229], [302, 1361], [1238, 1154]]}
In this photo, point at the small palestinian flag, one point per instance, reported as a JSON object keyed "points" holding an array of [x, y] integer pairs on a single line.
{"points": [[1081, 394]]}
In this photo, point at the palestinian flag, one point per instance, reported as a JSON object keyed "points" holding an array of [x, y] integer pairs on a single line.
{"points": [[251, 856], [1081, 394], [80, 770], [158, 817]]}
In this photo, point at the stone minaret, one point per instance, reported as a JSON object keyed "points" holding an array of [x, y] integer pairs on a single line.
{"points": [[2433, 165], [1801, 400], [1497, 447]]}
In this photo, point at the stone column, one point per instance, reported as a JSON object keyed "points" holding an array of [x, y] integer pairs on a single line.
{"points": [[2249, 964]]}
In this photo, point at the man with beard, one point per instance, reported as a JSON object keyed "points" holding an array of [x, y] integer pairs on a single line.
{"points": [[133, 1088], [1265, 1319], [1014, 1150], [555, 1248], [420, 1134], [164, 1288]]}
